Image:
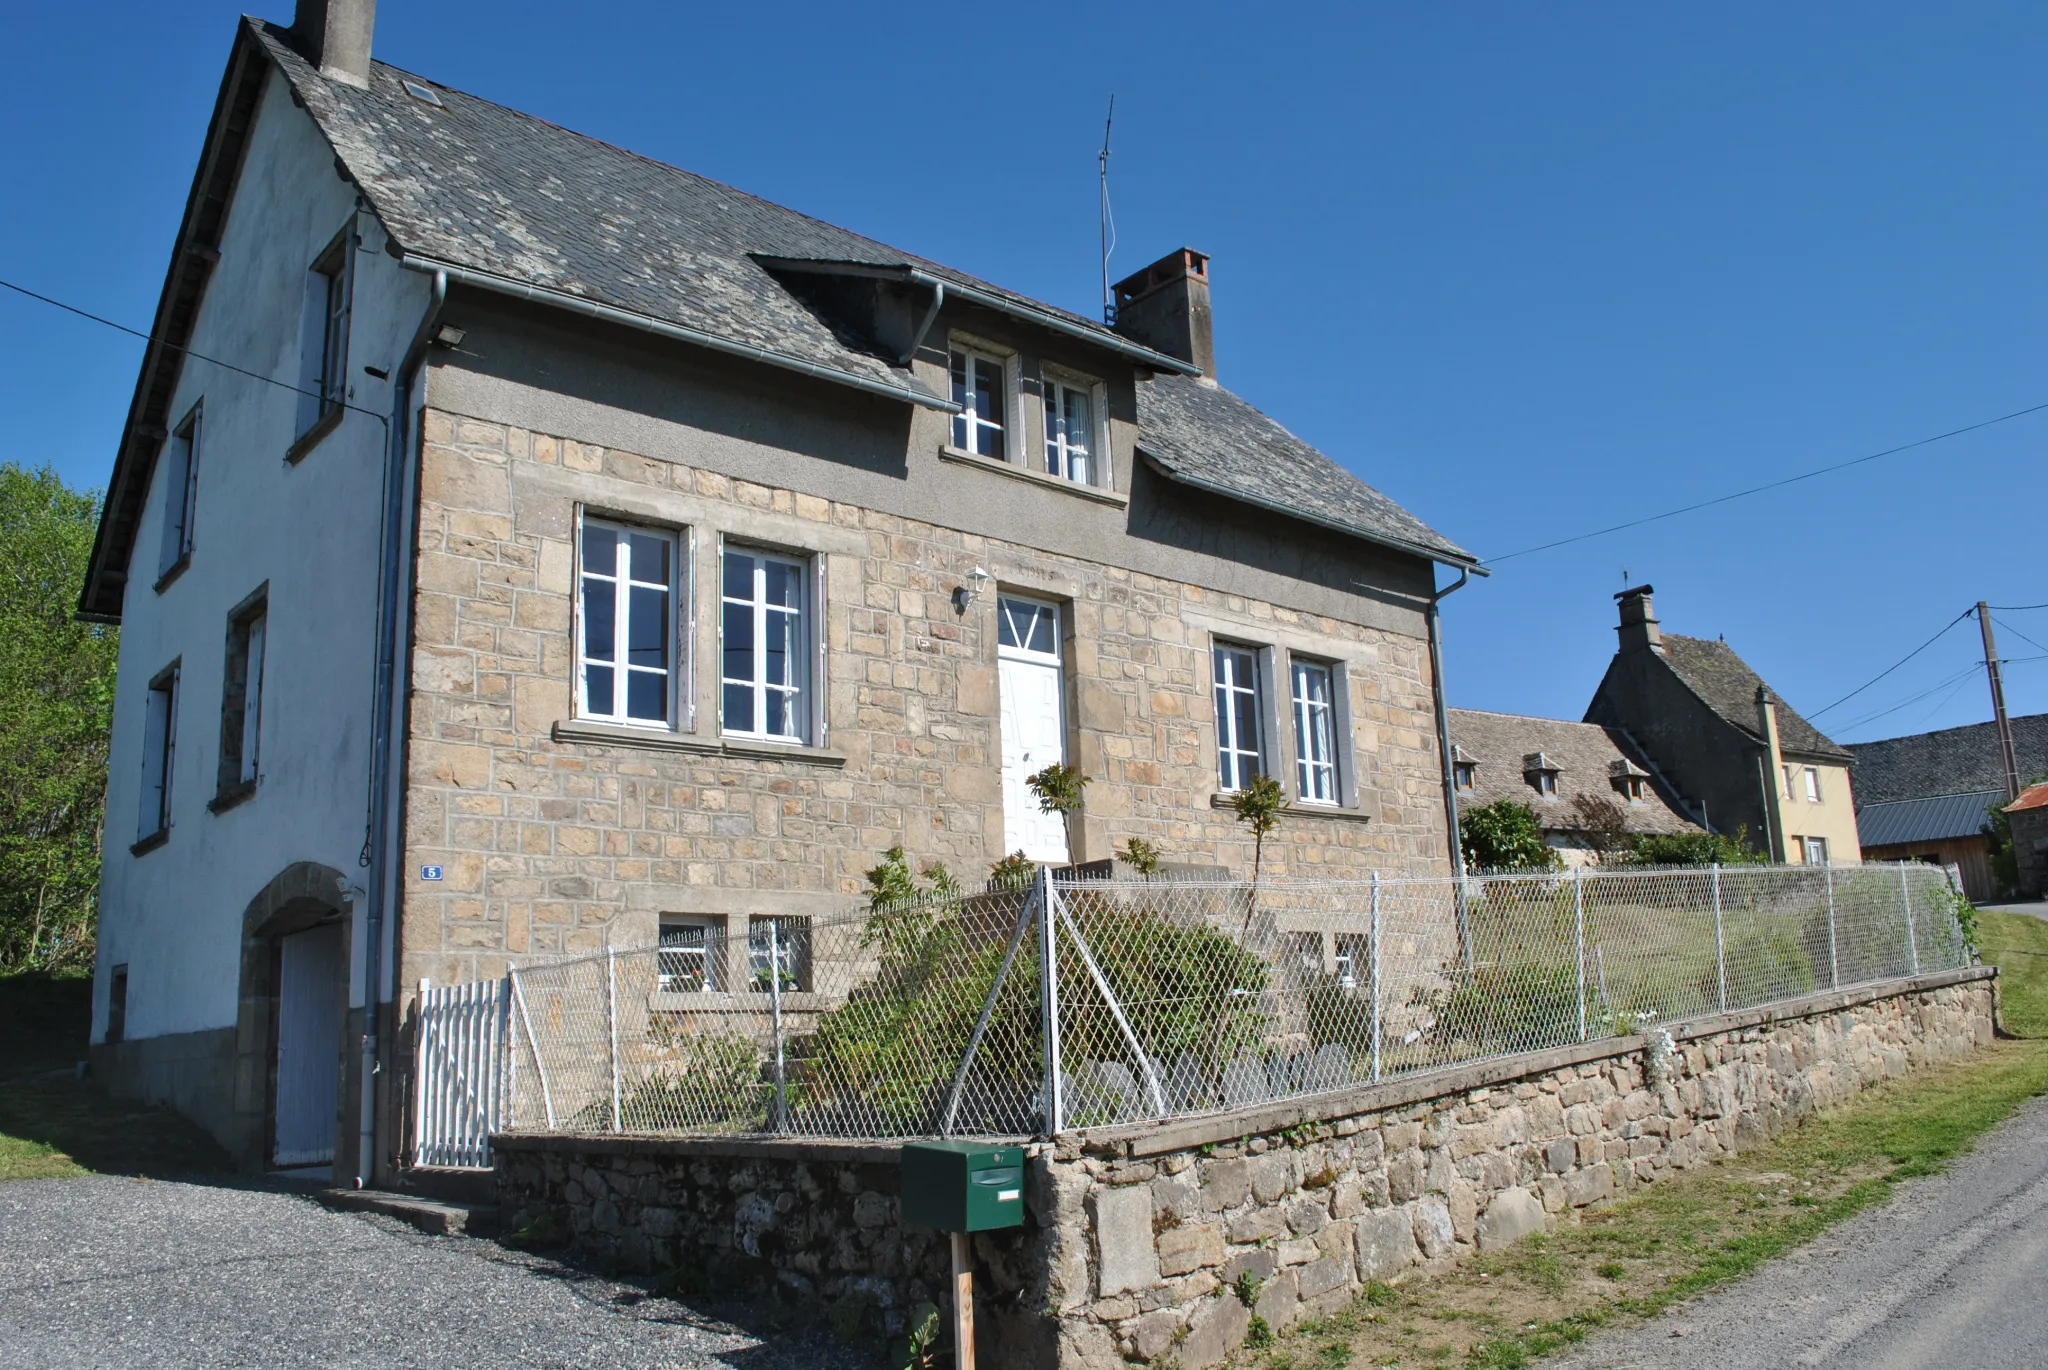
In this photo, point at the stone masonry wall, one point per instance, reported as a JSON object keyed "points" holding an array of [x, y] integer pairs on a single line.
{"points": [[560, 846], [1139, 1235]]}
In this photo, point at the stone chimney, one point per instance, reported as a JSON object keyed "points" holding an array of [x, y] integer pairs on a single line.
{"points": [[334, 35], [1638, 622], [1166, 307]]}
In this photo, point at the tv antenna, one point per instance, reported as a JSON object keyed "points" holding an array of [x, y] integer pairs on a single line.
{"points": [[1108, 219]]}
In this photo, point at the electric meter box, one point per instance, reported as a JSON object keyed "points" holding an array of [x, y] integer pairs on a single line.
{"points": [[963, 1186]]}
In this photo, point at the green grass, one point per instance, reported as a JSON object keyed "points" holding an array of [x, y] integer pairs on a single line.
{"points": [[54, 1125], [2017, 943], [1681, 1237]]}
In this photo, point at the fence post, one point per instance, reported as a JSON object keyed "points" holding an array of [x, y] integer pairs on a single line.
{"points": [[1579, 932], [1834, 961], [1049, 1004], [540, 1066], [1720, 942], [1375, 976], [775, 1012], [1912, 939], [611, 1018]]}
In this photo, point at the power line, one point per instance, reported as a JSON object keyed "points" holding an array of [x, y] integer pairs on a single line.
{"points": [[1772, 485], [1895, 665], [1912, 699], [2017, 633], [196, 356], [2015, 608]]}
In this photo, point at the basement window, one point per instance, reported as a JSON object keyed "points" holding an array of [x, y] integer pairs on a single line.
{"points": [[692, 950]]}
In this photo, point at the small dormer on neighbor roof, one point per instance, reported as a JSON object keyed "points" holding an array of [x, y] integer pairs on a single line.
{"points": [[1541, 773]]}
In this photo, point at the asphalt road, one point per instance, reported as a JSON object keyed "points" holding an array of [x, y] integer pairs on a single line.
{"points": [[1952, 1271], [112, 1272]]}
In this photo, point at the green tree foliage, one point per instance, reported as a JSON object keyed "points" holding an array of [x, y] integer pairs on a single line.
{"points": [[56, 707], [1504, 836], [1693, 849], [1141, 856], [1060, 790]]}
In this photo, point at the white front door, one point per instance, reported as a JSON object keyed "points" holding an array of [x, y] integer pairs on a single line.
{"points": [[309, 989], [1034, 728]]}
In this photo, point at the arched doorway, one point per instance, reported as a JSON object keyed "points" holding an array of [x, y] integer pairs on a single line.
{"points": [[293, 1018]]}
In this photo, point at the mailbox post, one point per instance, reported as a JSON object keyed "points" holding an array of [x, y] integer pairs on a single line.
{"points": [[962, 1188]]}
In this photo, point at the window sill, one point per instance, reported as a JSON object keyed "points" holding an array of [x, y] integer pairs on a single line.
{"points": [[177, 568], [1040, 478], [231, 795], [1226, 800], [149, 843], [310, 439], [592, 733]]}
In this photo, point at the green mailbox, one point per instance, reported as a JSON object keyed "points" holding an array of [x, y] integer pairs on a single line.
{"points": [[963, 1186]]}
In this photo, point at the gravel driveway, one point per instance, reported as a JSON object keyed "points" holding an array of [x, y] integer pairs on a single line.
{"points": [[1947, 1273], [113, 1272]]}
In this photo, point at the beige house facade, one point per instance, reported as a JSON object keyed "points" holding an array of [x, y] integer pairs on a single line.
{"points": [[605, 557]]}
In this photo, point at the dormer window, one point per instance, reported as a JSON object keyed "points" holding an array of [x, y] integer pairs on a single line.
{"points": [[978, 388], [1463, 775], [1541, 773], [1629, 780]]}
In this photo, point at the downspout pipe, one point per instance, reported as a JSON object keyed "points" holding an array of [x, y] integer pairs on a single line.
{"points": [[1443, 749], [377, 852]]}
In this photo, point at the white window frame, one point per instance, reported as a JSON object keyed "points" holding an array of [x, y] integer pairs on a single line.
{"points": [[792, 949], [159, 753], [1813, 793], [1233, 755], [710, 948], [1811, 848], [620, 578], [324, 331], [181, 494], [1308, 771], [969, 432], [803, 711], [1056, 457]]}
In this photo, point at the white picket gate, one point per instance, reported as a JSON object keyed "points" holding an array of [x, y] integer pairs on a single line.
{"points": [[460, 1078]]}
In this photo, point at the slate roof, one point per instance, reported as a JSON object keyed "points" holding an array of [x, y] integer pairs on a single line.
{"points": [[479, 186], [1713, 671], [1932, 819], [1586, 756], [1947, 761]]}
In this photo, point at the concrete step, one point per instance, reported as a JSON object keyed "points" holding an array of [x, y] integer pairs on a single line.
{"points": [[435, 1217]]}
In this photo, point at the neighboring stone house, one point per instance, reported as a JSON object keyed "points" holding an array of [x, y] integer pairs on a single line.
{"points": [[601, 555], [1929, 796], [2029, 815], [1742, 758], [1589, 787]]}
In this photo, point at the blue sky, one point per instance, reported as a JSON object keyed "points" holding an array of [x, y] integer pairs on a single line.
{"points": [[1531, 270]]}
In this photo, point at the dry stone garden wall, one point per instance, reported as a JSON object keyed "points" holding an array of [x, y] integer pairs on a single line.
{"points": [[1165, 1241]]}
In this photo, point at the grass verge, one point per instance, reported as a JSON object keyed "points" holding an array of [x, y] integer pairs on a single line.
{"points": [[2017, 943], [1677, 1239], [54, 1125]]}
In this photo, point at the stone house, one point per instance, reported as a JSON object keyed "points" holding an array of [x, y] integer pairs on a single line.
{"points": [[2029, 815], [1721, 737], [572, 551], [1589, 787]]}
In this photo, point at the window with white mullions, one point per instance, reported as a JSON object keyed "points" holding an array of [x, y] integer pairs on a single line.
{"points": [[626, 602], [978, 389], [1239, 749], [1315, 731], [779, 951], [1028, 626], [765, 647], [1069, 432], [688, 961]]}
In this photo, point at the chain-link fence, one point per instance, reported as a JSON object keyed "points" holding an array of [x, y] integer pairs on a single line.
{"points": [[1161, 998]]}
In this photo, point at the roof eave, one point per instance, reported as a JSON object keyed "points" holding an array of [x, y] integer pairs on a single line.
{"points": [[1292, 511], [647, 323]]}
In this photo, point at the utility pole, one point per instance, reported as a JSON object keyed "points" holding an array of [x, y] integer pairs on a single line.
{"points": [[2006, 750]]}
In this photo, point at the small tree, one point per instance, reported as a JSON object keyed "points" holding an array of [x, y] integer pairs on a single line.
{"points": [[1013, 872], [1505, 836], [1141, 856], [1059, 789], [1258, 807]]}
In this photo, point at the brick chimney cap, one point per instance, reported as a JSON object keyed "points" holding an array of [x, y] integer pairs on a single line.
{"points": [[1174, 265]]}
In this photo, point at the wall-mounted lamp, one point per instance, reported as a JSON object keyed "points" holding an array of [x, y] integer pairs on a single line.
{"points": [[964, 595]]}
